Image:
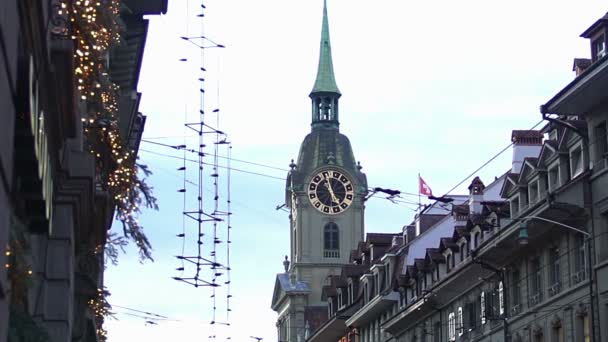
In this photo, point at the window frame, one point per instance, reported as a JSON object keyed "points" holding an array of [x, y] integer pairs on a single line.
{"points": [[578, 167]]}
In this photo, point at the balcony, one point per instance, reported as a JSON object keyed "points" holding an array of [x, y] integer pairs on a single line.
{"points": [[331, 253], [536, 299], [579, 276], [555, 289]]}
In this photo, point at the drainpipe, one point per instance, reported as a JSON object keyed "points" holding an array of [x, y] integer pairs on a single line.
{"points": [[588, 195]]}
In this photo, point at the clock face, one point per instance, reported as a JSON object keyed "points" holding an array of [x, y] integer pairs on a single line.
{"points": [[331, 192]]}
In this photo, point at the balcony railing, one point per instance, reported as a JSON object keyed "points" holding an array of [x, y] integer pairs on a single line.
{"points": [[555, 289], [515, 309], [579, 276], [331, 253], [536, 299]]}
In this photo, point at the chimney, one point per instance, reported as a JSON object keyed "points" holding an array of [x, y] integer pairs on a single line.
{"points": [[397, 241], [525, 144], [476, 196]]}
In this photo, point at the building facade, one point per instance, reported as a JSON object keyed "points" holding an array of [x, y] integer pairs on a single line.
{"points": [[324, 192], [521, 259], [56, 204]]}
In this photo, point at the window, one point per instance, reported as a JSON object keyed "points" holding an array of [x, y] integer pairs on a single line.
{"points": [[472, 317], [514, 206], [553, 176], [576, 161], [601, 144], [460, 322], [476, 239], [501, 303], [437, 332], [464, 250], [586, 329], [554, 271], [451, 327], [553, 134], [580, 260], [535, 281], [539, 337], [599, 48], [482, 307], [533, 192], [331, 240], [449, 262], [558, 333], [516, 292]]}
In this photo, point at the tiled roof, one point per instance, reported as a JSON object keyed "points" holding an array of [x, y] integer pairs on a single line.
{"points": [[435, 255], [447, 242], [381, 238], [287, 286], [581, 63]]}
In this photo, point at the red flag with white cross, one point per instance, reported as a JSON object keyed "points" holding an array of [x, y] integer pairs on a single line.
{"points": [[424, 189]]}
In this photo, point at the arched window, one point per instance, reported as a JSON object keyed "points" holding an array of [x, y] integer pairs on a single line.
{"points": [[331, 240]]}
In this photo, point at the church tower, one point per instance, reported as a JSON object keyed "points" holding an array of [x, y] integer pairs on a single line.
{"points": [[325, 191]]}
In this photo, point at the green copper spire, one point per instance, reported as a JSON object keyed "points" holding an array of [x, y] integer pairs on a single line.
{"points": [[326, 81]]}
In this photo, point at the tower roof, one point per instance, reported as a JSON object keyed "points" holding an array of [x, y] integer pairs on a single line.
{"points": [[326, 81]]}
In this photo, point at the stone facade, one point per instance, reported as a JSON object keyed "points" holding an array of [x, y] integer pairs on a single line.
{"points": [[54, 213], [521, 259]]}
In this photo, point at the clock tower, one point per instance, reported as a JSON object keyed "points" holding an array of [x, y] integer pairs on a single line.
{"points": [[325, 190]]}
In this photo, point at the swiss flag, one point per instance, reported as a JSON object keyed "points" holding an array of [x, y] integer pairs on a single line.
{"points": [[424, 189]]}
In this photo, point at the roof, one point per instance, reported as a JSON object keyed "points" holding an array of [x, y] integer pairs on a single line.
{"points": [[381, 238], [435, 255], [354, 271], [593, 28], [430, 238], [326, 81], [317, 146], [287, 286], [582, 63]]}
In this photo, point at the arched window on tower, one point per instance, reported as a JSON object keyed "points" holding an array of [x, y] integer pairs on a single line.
{"points": [[331, 240]]}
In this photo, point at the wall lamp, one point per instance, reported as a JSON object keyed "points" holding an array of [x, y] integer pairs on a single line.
{"points": [[523, 237]]}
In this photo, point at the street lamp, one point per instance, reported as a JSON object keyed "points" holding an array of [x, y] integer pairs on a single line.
{"points": [[524, 239]]}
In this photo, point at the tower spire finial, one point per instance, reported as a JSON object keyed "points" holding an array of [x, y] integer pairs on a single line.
{"points": [[326, 81], [325, 93]]}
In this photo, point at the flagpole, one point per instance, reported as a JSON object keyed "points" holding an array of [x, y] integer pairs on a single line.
{"points": [[419, 200]]}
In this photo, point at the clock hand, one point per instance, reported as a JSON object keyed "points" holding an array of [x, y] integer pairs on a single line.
{"points": [[331, 190]]}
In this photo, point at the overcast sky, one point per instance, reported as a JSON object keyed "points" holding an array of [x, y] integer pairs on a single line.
{"points": [[429, 87]]}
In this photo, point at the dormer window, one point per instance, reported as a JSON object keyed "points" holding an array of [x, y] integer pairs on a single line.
{"points": [[576, 161], [464, 250], [514, 209], [533, 192], [599, 47], [449, 261], [553, 134], [553, 177]]}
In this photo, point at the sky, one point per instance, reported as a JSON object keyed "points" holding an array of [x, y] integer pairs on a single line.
{"points": [[429, 87]]}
